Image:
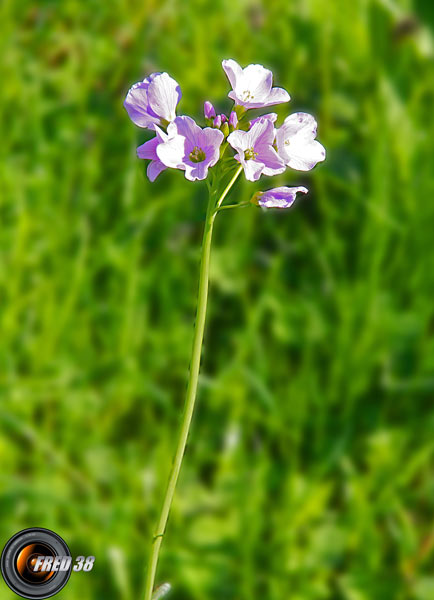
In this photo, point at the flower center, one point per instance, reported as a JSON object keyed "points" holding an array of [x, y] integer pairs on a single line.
{"points": [[247, 95], [287, 142], [250, 154], [197, 155]]}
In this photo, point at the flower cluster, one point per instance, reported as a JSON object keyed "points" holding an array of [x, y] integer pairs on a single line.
{"points": [[260, 147]]}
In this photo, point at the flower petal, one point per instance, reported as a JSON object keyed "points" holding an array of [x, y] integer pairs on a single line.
{"points": [[148, 150], [137, 105], [262, 133], [164, 94], [303, 156], [195, 171], [187, 127], [239, 140], [210, 142], [172, 152], [274, 165], [277, 96], [253, 169], [257, 81], [233, 71], [252, 86], [270, 117], [296, 142], [300, 123], [155, 167]]}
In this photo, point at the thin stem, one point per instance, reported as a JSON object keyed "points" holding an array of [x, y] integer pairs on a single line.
{"points": [[228, 187], [240, 205], [192, 384]]}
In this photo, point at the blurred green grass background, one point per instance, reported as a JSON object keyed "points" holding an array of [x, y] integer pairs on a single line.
{"points": [[309, 473]]}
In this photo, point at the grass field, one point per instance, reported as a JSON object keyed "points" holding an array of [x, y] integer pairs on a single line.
{"points": [[309, 473]]}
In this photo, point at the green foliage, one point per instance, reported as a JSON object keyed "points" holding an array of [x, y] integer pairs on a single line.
{"points": [[309, 473]]}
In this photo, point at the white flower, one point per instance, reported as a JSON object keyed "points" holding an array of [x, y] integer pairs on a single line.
{"points": [[296, 142], [252, 86], [153, 101], [255, 150], [192, 149]]}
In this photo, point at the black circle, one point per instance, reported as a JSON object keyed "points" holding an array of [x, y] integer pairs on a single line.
{"points": [[16, 563]]}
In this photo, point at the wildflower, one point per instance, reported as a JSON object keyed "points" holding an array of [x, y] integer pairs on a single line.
{"points": [[296, 142], [153, 101], [148, 150], [255, 150], [280, 197], [252, 86], [259, 150], [192, 149]]}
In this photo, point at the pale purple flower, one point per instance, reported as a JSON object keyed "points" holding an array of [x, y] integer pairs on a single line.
{"points": [[208, 110], [148, 150], [192, 149], [252, 86], [153, 101], [280, 197], [255, 150], [270, 116], [296, 143]]}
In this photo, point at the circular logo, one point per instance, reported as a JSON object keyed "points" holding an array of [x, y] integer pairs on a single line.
{"points": [[36, 563]]}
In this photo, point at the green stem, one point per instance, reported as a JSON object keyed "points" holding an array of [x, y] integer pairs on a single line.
{"points": [[192, 383], [240, 205], [228, 187]]}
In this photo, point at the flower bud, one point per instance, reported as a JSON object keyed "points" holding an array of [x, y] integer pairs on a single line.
{"points": [[225, 129], [217, 123], [209, 110], [233, 121], [224, 118]]}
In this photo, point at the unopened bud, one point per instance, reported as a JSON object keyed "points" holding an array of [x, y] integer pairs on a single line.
{"points": [[208, 110], [233, 121]]}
